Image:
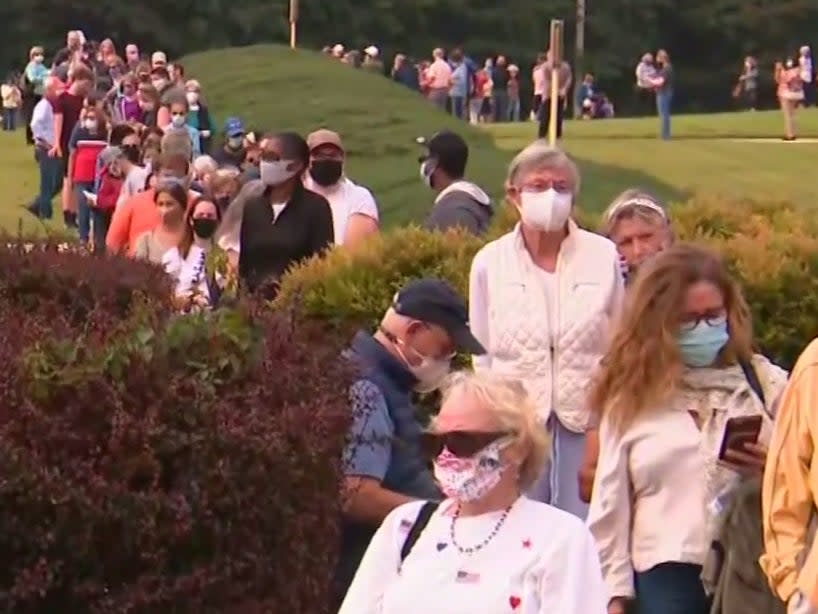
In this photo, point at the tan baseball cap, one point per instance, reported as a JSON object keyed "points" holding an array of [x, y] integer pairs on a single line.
{"points": [[322, 137]]}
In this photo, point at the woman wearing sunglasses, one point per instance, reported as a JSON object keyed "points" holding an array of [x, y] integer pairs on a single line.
{"points": [[487, 548], [681, 365]]}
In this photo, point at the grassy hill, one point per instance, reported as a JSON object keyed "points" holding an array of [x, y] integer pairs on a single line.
{"points": [[274, 88]]}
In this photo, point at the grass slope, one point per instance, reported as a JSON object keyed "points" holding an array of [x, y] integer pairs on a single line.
{"points": [[275, 88], [731, 154]]}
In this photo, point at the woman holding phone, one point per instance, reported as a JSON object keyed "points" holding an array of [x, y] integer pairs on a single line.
{"points": [[679, 376]]}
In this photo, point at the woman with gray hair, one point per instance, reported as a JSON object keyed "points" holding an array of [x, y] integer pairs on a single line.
{"points": [[542, 298], [639, 225], [487, 548]]}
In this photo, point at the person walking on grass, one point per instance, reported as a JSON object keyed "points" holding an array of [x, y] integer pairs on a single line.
{"points": [[663, 84], [790, 92], [12, 98]]}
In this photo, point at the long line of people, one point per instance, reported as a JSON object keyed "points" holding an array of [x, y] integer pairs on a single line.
{"points": [[612, 378]]}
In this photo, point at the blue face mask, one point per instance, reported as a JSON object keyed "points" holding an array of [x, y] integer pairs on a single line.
{"points": [[700, 345]]}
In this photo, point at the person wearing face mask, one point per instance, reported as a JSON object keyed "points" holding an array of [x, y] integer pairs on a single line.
{"points": [[411, 351], [186, 263], [232, 153], [541, 300], [87, 141], [179, 110], [33, 86], [354, 210], [486, 548], [139, 214], [680, 365], [281, 222], [134, 173], [224, 187], [198, 116], [459, 203]]}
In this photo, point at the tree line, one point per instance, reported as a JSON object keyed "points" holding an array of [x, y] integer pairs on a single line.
{"points": [[707, 39]]}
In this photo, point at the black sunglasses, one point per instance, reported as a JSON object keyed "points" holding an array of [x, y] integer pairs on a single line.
{"points": [[463, 444]]}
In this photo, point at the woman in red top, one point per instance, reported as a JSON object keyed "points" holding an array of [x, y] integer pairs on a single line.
{"points": [[87, 140]]}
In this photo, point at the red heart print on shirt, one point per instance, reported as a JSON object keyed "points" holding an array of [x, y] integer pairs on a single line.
{"points": [[514, 601]]}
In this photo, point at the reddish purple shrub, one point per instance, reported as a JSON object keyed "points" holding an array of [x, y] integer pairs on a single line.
{"points": [[187, 465]]}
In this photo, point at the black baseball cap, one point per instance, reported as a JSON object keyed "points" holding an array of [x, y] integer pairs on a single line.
{"points": [[449, 149], [435, 302]]}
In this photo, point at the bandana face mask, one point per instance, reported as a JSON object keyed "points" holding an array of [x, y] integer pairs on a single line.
{"points": [[470, 479]]}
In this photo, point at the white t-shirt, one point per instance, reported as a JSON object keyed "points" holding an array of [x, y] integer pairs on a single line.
{"points": [[190, 273], [345, 199], [541, 561]]}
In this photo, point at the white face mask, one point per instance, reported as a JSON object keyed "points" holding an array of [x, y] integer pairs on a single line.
{"points": [[427, 169], [178, 121], [547, 211], [430, 373], [90, 124], [275, 173], [470, 479]]}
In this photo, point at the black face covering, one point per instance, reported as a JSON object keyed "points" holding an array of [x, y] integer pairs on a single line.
{"points": [[204, 227], [132, 153], [326, 172]]}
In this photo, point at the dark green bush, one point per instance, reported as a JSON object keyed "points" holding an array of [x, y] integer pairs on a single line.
{"points": [[169, 465]]}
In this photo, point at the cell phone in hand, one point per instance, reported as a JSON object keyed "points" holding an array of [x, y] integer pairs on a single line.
{"points": [[739, 431], [90, 197]]}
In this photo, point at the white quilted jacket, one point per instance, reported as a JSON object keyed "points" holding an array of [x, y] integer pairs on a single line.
{"points": [[508, 310]]}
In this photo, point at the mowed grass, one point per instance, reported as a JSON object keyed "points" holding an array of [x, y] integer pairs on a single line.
{"points": [[274, 88], [731, 154]]}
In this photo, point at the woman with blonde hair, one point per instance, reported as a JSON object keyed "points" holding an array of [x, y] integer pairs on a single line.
{"points": [[541, 301], [790, 91], [487, 548], [680, 366], [639, 225]]}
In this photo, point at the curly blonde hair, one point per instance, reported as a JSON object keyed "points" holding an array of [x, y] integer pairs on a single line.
{"points": [[643, 365]]}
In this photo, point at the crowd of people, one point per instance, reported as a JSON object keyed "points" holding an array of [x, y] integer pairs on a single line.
{"points": [[617, 420]]}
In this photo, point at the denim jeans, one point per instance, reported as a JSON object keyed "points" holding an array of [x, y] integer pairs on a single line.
{"points": [[51, 177], [100, 222], [514, 110], [663, 101], [500, 105], [9, 120], [459, 107], [83, 209], [558, 484], [671, 588]]}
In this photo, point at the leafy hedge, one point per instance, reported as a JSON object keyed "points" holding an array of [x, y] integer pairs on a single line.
{"points": [[160, 464], [771, 247]]}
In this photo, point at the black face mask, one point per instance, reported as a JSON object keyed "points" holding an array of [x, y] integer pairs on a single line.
{"points": [[132, 153], [326, 172], [204, 227]]}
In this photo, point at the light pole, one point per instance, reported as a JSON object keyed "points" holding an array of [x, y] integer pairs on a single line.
{"points": [[579, 53], [293, 22]]}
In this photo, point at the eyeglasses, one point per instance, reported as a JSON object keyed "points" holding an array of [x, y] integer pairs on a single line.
{"points": [[563, 187], [463, 444], [691, 321]]}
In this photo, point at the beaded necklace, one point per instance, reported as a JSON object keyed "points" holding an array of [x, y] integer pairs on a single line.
{"points": [[472, 549]]}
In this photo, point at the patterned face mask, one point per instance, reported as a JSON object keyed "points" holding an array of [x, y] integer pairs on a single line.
{"points": [[470, 479]]}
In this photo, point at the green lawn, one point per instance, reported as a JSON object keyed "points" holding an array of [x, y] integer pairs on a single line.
{"points": [[274, 88]]}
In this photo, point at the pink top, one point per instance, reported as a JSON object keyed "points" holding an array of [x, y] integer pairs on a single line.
{"points": [[439, 75]]}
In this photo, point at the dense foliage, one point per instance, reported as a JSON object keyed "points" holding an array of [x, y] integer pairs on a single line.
{"points": [[771, 248], [707, 38], [160, 464]]}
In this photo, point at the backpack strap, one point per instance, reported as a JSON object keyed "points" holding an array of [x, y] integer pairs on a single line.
{"points": [[424, 515], [752, 380]]}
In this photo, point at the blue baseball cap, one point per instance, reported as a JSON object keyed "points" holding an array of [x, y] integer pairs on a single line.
{"points": [[233, 127]]}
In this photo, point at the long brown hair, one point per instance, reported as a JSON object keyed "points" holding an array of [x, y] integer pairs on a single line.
{"points": [[643, 365]]}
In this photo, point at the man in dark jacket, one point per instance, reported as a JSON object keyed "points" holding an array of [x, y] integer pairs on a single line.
{"points": [[458, 202]]}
